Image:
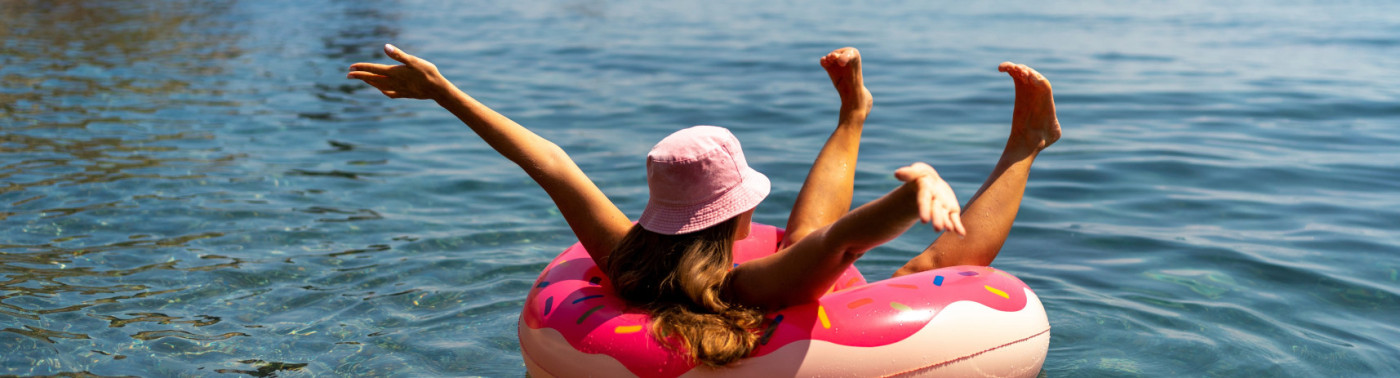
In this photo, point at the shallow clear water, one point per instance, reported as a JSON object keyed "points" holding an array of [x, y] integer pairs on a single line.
{"points": [[192, 187]]}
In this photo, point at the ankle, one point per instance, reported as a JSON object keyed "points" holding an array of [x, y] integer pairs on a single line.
{"points": [[854, 114], [1026, 143]]}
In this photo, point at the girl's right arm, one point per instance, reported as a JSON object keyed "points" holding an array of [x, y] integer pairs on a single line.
{"points": [[595, 220], [803, 272]]}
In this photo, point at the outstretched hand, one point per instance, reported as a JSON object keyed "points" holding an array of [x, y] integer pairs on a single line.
{"points": [[415, 78], [937, 203]]}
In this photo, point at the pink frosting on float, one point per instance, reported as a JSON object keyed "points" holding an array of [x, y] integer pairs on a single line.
{"points": [[573, 297]]}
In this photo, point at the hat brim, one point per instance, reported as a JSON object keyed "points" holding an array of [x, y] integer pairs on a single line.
{"points": [[674, 220]]}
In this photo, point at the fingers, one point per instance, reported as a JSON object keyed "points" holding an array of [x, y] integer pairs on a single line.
{"points": [[935, 201], [378, 82], [365, 75], [924, 201], [914, 171], [948, 216], [399, 55], [905, 174], [955, 222], [378, 69], [940, 220]]}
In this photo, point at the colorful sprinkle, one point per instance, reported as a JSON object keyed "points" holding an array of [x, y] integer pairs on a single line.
{"points": [[850, 282], [595, 280], [937, 280], [576, 301], [904, 286], [768, 333], [859, 302], [542, 284], [899, 306], [548, 303], [587, 313], [627, 329], [821, 314], [967, 273], [997, 292]]}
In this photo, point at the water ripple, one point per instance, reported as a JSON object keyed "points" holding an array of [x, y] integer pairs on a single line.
{"points": [[195, 187]]}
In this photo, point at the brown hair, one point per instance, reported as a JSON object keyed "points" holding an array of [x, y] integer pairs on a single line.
{"points": [[679, 280]]}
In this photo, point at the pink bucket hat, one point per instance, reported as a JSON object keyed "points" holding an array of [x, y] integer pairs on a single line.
{"points": [[698, 178]]}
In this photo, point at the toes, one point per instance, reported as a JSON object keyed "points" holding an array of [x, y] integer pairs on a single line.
{"points": [[850, 55], [1012, 69], [1020, 73], [1035, 76]]}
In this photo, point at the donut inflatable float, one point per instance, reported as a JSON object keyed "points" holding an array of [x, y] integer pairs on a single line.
{"points": [[955, 321]]}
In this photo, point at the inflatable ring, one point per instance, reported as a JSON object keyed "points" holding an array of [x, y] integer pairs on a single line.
{"points": [[954, 321]]}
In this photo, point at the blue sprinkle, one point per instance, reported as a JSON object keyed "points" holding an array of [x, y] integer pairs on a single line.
{"points": [[576, 301], [543, 284], [937, 280], [767, 334], [548, 303], [595, 280]]}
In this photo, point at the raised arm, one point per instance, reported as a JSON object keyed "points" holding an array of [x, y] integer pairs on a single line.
{"points": [[826, 195], [595, 220], [803, 272]]}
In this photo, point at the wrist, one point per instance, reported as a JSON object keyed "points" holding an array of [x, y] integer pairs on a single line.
{"points": [[442, 90]]}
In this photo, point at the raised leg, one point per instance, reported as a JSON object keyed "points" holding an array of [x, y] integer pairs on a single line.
{"points": [[826, 194], [990, 213]]}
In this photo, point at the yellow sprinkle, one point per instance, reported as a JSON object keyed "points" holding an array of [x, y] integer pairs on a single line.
{"points": [[997, 292], [821, 314], [899, 306], [627, 329]]}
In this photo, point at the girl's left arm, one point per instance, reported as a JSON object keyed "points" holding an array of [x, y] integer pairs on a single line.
{"points": [[595, 220]]}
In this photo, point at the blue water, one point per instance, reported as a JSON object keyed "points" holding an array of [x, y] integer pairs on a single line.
{"points": [[190, 188]]}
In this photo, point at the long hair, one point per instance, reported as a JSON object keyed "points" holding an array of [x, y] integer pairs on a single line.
{"points": [[679, 280]]}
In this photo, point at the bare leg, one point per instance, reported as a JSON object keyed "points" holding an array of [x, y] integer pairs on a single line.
{"points": [[826, 195], [989, 214]]}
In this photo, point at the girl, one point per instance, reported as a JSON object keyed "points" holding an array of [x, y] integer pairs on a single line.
{"points": [[676, 261]]}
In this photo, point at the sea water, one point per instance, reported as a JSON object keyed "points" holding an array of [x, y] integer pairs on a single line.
{"points": [[190, 188]]}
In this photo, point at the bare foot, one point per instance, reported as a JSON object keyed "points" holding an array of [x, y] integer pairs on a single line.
{"points": [[843, 66], [1033, 121]]}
